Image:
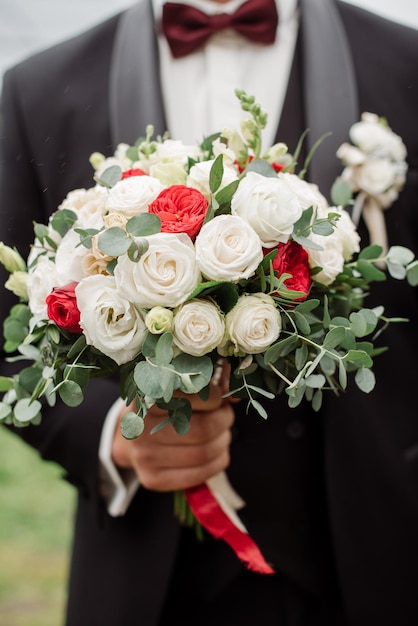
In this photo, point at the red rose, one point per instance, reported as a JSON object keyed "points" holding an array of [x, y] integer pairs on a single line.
{"points": [[136, 171], [62, 308], [181, 210], [293, 259]]}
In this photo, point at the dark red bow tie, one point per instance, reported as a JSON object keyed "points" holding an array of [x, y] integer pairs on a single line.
{"points": [[187, 28]]}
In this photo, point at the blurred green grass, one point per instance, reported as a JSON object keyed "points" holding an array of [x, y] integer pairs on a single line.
{"points": [[36, 508]]}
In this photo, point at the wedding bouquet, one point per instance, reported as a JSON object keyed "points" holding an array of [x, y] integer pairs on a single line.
{"points": [[181, 260], [182, 257]]}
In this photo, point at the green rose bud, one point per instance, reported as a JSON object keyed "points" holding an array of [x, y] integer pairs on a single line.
{"points": [[17, 283], [159, 320], [11, 259]]}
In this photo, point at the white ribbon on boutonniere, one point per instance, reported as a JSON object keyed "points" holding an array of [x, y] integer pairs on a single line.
{"points": [[375, 169]]}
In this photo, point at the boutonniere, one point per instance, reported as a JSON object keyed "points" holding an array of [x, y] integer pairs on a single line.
{"points": [[375, 169]]}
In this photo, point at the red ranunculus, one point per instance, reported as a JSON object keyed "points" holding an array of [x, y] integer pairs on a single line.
{"points": [[181, 210], [293, 259], [62, 308], [136, 171]]}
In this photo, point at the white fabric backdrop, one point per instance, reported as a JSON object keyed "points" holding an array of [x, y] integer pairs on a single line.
{"points": [[30, 25]]}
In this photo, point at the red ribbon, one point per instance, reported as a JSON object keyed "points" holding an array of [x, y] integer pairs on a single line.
{"points": [[209, 513]]}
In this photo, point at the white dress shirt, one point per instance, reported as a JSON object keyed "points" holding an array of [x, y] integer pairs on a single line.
{"points": [[206, 81]]}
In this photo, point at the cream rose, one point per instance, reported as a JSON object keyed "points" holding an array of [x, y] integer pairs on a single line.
{"points": [[375, 176], [252, 325], [110, 323], [131, 196], [165, 275], [227, 248], [269, 205], [198, 327]]}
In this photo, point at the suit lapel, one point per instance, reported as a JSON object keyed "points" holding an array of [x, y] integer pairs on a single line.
{"points": [[135, 103], [329, 85]]}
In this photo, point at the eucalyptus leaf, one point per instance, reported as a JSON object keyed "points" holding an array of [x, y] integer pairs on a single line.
{"points": [[371, 252], [365, 379], [316, 381], [360, 358], [63, 220], [180, 413], [323, 228], [200, 369], [71, 393], [114, 241], [400, 255], [396, 270], [164, 349], [110, 176], [369, 271], [334, 337], [307, 305], [261, 167], [148, 380], [341, 193], [317, 400], [26, 410], [259, 408], [342, 375], [131, 425], [412, 274], [5, 411], [5, 383], [143, 225], [302, 323], [280, 349]]}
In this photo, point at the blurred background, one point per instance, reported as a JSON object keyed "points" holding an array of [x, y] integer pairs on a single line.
{"points": [[36, 504]]}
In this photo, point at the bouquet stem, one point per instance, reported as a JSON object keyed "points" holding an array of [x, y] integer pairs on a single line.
{"points": [[185, 514]]}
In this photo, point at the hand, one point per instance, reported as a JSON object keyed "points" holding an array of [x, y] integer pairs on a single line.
{"points": [[166, 461]]}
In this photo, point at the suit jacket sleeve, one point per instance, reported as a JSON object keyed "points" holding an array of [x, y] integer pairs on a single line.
{"points": [[66, 436]]}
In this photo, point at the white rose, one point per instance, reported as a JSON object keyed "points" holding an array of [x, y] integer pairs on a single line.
{"points": [[42, 280], [269, 205], [330, 258], [198, 327], [308, 194], [159, 320], [371, 136], [199, 177], [69, 259], [88, 204], [131, 196], [165, 275], [347, 232], [110, 323], [350, 155], [227, 248], [375, 176], [253, 324]]}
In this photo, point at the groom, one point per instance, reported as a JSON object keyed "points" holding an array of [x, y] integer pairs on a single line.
{"points": [[331, 498]]}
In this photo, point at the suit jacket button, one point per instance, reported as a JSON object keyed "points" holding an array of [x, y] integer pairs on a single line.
{"points": [[295, 429]]}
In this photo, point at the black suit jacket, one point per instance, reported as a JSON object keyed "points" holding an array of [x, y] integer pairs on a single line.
{"points": [[331, 498]]}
